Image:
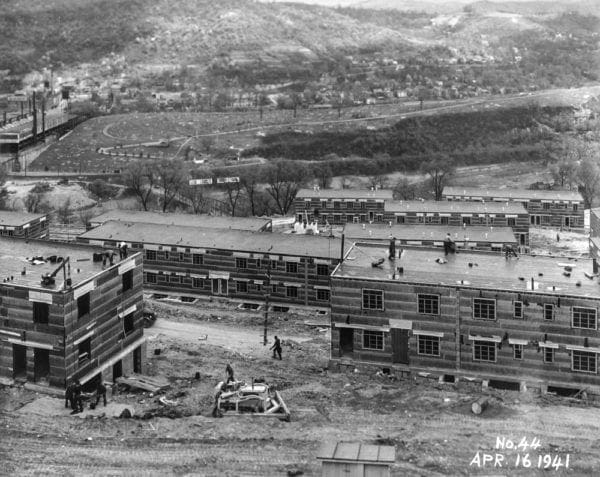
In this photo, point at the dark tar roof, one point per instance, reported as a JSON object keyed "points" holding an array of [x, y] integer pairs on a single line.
{"points": [[17, 219], [344, 194], [488, 271], [357, 451], [513, 194], [14, 255], [429, 232], [238, 240], [457, 207], [218, 222]]}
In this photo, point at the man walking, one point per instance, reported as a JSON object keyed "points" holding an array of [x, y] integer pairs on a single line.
{"points": [[276, 348], [229, 372], [69, 395], [76, 399], [100, 392]]}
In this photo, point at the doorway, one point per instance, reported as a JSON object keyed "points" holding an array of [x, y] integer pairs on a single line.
{"points": [[137, 360], [219, 286], [346, 341], [19, 361], [117, 370], [399, 346], [41, 364]]}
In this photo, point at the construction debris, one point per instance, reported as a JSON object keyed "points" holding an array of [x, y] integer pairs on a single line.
{"points": [[139, 381], [257, 399], [480, 405]]}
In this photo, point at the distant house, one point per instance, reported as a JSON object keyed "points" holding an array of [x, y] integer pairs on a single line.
{"points": [[547, 208]]}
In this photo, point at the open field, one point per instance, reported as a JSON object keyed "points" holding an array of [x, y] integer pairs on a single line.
{"points": [[429, 422], [245, 130]]}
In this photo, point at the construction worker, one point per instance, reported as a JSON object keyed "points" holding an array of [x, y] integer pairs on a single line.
{"points": [[69, 395], [100, 392], [76, 399], [276, 347], [509, 252], [449, 246], [229, 372]]}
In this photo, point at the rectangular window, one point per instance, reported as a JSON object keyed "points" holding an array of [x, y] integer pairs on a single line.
{"points": [[400, 219], [127, 280], [575, 207], [174, 279], [291, 292], [41, 313], [466, 220], [512, 222], [444, 220], [546, 206], [273, 288], [291, 267], [197, 259], [150, 277], [273, 264], [548, 355], [518, 351], [151, 255], [196, 282], [181, 257], [428, 345], [323, 295], [85, 350], [128, 324], [484, 309], [350, 205], [241, 287], [548, 311], [584, 361], [484, 351], [83, 306], [166, 255], [583, 318], [373, 340], [322, 269], [429, 304], [518, 309], [241, 263], [372, 299]]}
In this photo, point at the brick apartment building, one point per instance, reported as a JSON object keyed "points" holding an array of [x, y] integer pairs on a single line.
{"points": [[83, 321], [532, 320], [547, 208]]}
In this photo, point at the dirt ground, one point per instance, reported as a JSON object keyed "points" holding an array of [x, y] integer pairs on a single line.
{"points": [[429, 423]]}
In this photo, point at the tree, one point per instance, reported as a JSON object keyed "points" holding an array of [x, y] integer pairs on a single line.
{"points": [[3, 190], [404, 190], [250, 182], [588, 180], [102, 190], [63, 212], [194, 197], [439, 169], [140, 177], [207, 143], [284, 179], [564, 172], [324, 174], [85, 215], [171, 178]]}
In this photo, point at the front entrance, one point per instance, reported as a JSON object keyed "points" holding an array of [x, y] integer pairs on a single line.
{"points": [[137, 360], [41, 364], [117, 370], [399, 346], [219, 286], [522, 239], [19, 361], [346, 341]]}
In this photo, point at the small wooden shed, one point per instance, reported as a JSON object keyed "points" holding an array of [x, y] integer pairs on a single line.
{"points": [[354, 459]]}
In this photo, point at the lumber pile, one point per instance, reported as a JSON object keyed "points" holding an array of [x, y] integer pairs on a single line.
{"points": [[152, 384]]}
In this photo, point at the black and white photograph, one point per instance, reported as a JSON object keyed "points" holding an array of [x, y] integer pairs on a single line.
{"points": [[337, 238]]}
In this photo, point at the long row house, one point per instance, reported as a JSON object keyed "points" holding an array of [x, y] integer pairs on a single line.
{"points": [[239, 264], [23, 225], [526, 321], [68, 312]]}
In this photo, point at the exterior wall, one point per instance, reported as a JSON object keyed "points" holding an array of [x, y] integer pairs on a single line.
{"points": [[595, 233], [455, 325], [339, 211], [426, 243], [37, 228], [64, 330], [546, 213], [518, 222]]}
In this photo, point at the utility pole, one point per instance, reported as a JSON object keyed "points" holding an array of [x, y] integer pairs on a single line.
{"points": [[34, 119], [267, 292]]}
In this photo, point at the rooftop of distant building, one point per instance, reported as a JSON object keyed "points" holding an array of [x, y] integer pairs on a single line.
{"points": [[17, 219], [477, 193], [345, 194], [465, 207], [210, 238], [212, 221], [39, 257], [472, 270]]}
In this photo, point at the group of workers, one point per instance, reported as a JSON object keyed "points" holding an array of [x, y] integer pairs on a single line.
{"points": [[74, 396]]}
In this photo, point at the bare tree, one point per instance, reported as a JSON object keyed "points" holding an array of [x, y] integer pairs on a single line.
{"points": [[85, 215], [439, 169], [250, 184], [171, 177], [284, 179], [404, 190], [233, 192], [588, 179], [32, 201], [3, 190], [64, 211], [207, 143], [564, 172], [195, 198], [139, 176]]}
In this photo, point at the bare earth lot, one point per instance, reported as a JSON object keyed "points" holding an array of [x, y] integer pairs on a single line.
{"points": [[429, 423]]}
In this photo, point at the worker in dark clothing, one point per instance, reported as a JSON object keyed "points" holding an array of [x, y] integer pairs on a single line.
{"points": [[100, 393], [69, 395], [122, 250], [276, 348], [76, 399], [449, 245], [229, 372], [509, 252]]}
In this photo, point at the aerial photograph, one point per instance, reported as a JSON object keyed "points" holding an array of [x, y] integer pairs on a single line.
{"points": [[333, 238]]}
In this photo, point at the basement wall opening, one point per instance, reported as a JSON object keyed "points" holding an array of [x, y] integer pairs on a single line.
{"points": [[188, 299], [280, 309], [249, 306], [564, 392], [448, 378], [159, 296], [506, 385]]}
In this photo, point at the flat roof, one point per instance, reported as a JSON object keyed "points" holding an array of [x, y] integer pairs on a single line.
{"points": [[17, 254], [515, 194], [223, 239], [429, 232], [17, 219], [218, 222], [357, 451], [487, 271], [445, 206], [345, 194]]}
